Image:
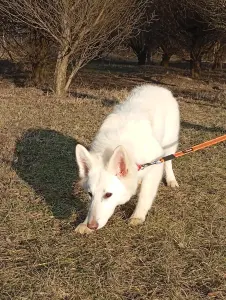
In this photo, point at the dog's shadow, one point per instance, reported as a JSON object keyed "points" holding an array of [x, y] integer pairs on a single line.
{"points": [[45, 159]]}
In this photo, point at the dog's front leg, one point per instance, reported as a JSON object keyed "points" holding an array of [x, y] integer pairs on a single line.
{"points": [[147, 195], [82, 227]]}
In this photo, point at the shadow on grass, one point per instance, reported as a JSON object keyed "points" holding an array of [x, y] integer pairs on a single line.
{"points": [[198, 127], [105, 101], [12, 72], [45, 159]]}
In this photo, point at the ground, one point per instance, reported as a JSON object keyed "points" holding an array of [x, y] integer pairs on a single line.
{"points": [[178, 253]]}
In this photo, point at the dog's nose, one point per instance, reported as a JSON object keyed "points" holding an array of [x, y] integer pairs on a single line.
{"points": [[93, 225]]}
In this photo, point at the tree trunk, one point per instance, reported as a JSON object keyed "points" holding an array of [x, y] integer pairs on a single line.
{"points": [[195, 65], [74, 71], [60, 77], [141, 56], [195, 68], [218, 63], [165, 60], [38, 73], [149, 58]]}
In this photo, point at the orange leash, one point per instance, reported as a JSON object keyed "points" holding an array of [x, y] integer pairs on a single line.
{"points": [[184, 152]]}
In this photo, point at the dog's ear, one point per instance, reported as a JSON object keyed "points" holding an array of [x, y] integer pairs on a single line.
{"points": [[84, 160], [118, 163]]}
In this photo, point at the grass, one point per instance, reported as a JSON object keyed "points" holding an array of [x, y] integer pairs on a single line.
{"points": [[179, 252]]}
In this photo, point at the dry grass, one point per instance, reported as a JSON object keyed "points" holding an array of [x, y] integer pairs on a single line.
{"points": [[179, 253]]}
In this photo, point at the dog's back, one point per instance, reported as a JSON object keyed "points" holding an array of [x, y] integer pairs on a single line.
{"points": [[145, 123]]}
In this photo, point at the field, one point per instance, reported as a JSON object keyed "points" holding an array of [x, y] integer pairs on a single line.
{"points": [[178, 253]]}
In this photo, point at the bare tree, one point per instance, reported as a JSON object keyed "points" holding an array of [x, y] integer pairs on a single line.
{"points": [[139, 41], [27, 47], [166, 31], [214, 11], [139, 46], [80, 28], [184, 26]]}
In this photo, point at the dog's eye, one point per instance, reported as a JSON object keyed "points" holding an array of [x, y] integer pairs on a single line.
{"points": [[107, 195], [90, 194]]}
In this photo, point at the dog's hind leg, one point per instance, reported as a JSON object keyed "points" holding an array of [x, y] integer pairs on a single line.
{"points": [[168, 168]]}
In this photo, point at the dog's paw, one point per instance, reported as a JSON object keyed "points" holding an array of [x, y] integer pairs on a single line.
{"points": [[135, 222], [172, 184], [83, 229]]}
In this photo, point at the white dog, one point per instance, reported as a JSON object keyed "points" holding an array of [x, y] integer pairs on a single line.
{"points": [[140, 130]]}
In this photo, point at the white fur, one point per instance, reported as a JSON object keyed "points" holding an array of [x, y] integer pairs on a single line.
{"points": [[140, 130]]}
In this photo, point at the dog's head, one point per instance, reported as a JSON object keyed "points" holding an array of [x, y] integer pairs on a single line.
{"points": [[108, 184]]}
